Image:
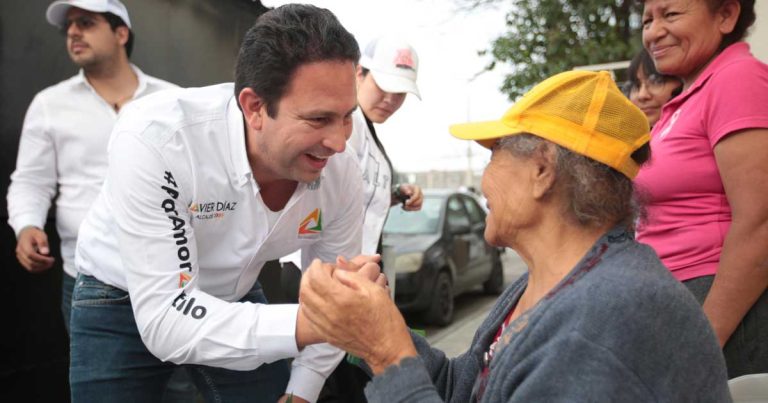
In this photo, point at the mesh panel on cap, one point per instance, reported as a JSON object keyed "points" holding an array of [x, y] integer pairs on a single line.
{"points": [[569, 101], [617, 122]]}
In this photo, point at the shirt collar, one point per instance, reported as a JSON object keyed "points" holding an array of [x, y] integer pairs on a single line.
{"points": [[735, 51], [140, 89], [241, 168]]}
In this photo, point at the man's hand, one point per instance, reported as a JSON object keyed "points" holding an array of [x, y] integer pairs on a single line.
{"points": [[414, 194], [32, 250], [366, 265]]}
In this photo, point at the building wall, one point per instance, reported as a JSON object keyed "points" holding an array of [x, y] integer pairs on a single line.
{"points": [[188, 42]]}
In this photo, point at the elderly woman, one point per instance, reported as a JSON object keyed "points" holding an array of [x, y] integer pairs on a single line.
{"points": [[706, 185], [596, 318], [648, 89]]}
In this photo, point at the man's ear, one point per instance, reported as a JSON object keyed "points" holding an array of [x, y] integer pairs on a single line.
{"points": [[544, 173], [253, 107], [123, 33]]}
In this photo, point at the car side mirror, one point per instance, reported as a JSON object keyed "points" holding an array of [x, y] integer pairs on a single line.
{"points": [[460, 229]]}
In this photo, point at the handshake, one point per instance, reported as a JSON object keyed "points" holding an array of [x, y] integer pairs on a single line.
{"points": [[348, 305]]}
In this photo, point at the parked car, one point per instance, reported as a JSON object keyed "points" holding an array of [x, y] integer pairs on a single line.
{"points": [[440, 252]]}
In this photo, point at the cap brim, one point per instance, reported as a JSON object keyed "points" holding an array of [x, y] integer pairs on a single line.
{"points": [[395, 84], [57, 13], [485, 133]]}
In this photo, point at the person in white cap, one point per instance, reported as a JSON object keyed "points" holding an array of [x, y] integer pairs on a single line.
{"points": [[63, 144], [385, 76]]}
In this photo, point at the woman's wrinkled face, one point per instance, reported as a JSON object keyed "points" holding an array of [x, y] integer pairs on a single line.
{"points": [[507, 186], [682, 36]]}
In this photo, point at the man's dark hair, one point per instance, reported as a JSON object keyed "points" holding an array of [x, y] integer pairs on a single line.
{"points": [[114, 22], [283, 39]]}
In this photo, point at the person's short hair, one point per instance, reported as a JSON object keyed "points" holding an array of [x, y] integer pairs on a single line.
{"points": [[283, 39], [594, 194], [115, 22], [644, 60]]}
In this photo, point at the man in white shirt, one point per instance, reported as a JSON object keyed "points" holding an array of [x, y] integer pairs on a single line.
{"points": [[63, 144], [204, 186]]}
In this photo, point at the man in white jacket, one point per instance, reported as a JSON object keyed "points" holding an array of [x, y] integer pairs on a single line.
{"points": [[63, 144], [204, 186]]}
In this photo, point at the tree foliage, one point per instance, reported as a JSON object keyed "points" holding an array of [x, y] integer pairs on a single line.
{"points": [[545, 37]]}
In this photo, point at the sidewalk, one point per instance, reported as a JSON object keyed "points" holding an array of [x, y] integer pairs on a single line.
{"points": [[456, 339]]}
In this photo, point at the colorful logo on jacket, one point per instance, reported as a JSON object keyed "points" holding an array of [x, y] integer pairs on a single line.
{"points": [[312, 224], [184, 279]]}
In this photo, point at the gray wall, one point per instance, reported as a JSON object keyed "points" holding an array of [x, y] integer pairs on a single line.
{"points": [[188, 42]]}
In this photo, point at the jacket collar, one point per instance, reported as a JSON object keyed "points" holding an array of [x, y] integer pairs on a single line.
{"points": [[733, 52], [241, 168]]}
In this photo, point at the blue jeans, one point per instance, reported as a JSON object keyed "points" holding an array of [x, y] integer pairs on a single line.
{"points": [[109, 362], [67, 284], [746, 352]]}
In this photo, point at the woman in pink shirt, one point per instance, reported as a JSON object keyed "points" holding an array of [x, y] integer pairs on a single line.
{"points": [[707, 182]]}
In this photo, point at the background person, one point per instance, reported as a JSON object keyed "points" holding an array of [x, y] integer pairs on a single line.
{"points": [[204, 186], [707, 215], [648, 89], [63, 144], [597, 316], [386, 74]]}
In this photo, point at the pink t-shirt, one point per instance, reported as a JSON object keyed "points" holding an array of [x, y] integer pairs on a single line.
{"points": [[688, 211]]}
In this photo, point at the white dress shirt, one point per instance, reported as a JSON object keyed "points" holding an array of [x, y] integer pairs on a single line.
{"points": [[180, 226], [63, 146]]}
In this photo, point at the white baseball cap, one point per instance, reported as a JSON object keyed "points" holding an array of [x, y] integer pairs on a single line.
{"points": [[393, 63], [57, 11]]}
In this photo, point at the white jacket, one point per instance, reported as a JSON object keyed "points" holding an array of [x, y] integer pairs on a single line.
{"points": [[63, 146], [377, 181], [180, 225]]}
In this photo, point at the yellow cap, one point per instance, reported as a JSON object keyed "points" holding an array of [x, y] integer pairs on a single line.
{"points": [[582, 111]]}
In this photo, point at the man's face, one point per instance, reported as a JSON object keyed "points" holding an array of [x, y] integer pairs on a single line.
{"points": [[90, 39], [377, 104], [313, 122]]}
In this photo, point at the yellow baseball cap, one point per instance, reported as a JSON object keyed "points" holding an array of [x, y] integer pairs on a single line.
{"points": [[583, 111]]}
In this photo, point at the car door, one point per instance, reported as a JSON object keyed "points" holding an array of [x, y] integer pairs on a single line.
{"points": [[459, 232], [480, 261]]}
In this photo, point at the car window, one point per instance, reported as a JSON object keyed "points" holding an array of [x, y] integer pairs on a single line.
{"points": [[424, 221], [456, 216], [476, 214]]}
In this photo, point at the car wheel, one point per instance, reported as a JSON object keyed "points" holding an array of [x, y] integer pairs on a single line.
{"points": [[495, 283], [440, 311]]}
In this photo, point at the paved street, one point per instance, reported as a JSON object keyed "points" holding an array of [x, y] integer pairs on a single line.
{"points": [[471, 310]]}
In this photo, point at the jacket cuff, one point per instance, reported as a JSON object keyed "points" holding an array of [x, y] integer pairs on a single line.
{"points": [[276, 331], [305, 383], [20, 222], [399, 382]]}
